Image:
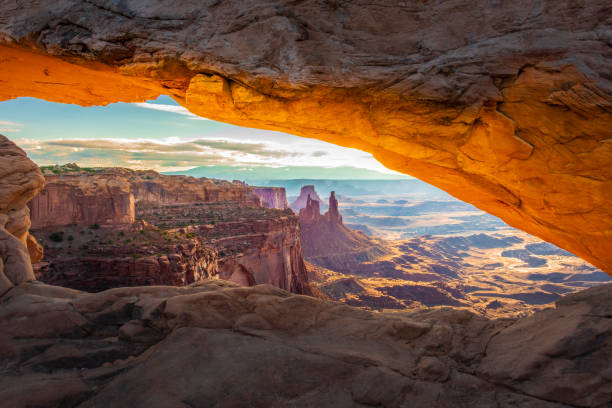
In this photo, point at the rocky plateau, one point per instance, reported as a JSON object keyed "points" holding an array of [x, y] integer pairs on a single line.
{"points": [[110, 227]]}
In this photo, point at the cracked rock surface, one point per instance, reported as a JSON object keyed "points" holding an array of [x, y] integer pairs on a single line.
{"points": [[504, 104], [193, 346]]}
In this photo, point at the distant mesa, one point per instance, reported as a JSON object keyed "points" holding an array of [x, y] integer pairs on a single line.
{"points": [[272, 197], [302, 199]]}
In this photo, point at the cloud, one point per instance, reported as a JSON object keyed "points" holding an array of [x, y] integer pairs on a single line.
{"points": [[319, 153], [162, 155], [7, 126], [169, 108]]}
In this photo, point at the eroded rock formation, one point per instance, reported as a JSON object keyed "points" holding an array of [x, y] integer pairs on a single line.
{"points": [[83, 199], [177, 240], [272, 197], [328, 243], [506, 105], [106, 196], [20, 180], [311, 211], [306, 193]]}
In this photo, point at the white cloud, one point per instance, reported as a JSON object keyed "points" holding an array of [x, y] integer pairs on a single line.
{"points": [[169, 108], [10, 127]]}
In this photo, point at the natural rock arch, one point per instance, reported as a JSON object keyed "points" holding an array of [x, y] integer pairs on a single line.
{"points": [[505, 105]]}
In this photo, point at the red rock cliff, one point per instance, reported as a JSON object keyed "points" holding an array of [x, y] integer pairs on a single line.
{"points": [[272, 197], [327, 242], [302, 200], [83, 199], [106, 196]]}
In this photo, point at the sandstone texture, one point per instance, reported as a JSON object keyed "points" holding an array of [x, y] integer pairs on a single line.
{"points": [[20, 180], [272, 197], [506, 105], [213, 343]]}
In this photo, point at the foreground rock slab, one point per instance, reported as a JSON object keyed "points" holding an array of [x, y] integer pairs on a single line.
{"points": [[216, 344]]}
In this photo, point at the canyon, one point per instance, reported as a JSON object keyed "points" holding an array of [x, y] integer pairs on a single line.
{"points": [[505, 105], [485, 267], [110, 227], [327, 242]]}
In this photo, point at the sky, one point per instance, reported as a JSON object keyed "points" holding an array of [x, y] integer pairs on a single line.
{"points": [[159, 135]]}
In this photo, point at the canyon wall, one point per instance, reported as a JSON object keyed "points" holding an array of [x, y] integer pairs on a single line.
{"points": [[106, 196], [83, 199], [505, 105], [107, 267], [272, 197], [152, 187], [259, 251]]}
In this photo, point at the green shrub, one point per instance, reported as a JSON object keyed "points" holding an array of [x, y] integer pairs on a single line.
{"points": [[95, 226], [137, 256], [70, 238]]}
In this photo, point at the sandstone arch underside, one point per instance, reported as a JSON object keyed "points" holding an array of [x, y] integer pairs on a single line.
{"points": [[504, 104]]}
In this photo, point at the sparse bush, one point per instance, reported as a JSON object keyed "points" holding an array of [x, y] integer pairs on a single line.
{"points": [[70, 238], [121, 233], [95, 226], [57, 236], [136, 256]]}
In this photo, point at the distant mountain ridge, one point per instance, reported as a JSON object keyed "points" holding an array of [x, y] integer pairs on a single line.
{"points": [[258, 174]]}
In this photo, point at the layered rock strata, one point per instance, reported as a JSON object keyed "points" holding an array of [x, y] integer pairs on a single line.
{"points": [[263, 346], [106, 196], [506, 105], [83, 199], [272, 197], [254, 245], [178, 245]]}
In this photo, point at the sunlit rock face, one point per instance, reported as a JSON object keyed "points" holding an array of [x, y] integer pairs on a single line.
{"points": [[20, 180], [83, 200], [506, 105]]}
